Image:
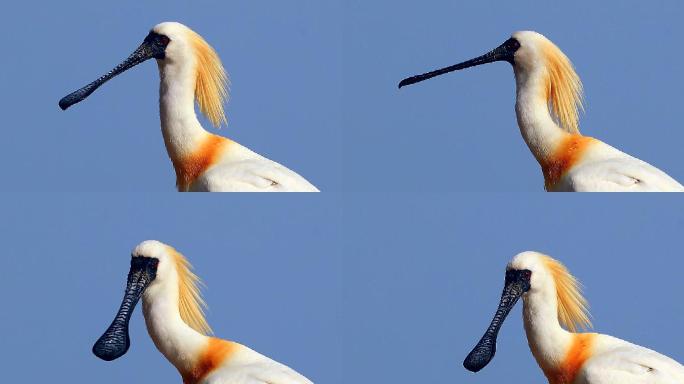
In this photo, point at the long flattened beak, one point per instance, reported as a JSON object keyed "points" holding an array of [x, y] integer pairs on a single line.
{"points": [[485, 349], [114, 342], [145, 51], [504, 52]]}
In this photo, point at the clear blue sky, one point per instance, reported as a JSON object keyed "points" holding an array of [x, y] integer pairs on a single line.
{"points": [[387, 288], [423, 276], [283, 61], [458, 132], [314, 87], [356, 287], [272, 271]]}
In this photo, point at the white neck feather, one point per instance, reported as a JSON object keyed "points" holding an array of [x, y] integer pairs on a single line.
{"points": [[181, 130], [548, 341], [539, 130], [179, 343]]}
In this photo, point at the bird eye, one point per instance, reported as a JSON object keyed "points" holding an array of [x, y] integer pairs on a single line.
{"points": [[164, 40]]}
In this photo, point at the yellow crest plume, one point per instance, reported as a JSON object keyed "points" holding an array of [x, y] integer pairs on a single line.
{"points": [[211, 89], [190, 302], [573, 312], [563, 88]]}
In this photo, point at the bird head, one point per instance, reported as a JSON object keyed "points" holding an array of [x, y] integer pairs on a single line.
{"points": [[180, 50], [532, 274], [156, 270]]}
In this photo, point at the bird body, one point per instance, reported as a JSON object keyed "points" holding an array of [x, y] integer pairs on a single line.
{"points": [[190, 71], [548, 102], [613, 360], [599, 167], [568, 357], [173, 312], [220, 164], [554, 311], [248, 366], [204, 161]]}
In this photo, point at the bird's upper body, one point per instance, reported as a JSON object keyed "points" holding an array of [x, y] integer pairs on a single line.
{"points": [[191, 70], [176, 324], [249, 367], [618, 361], [554, 304], [548, 100], [606, 169]]}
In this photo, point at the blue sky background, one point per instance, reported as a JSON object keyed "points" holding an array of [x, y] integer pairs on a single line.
{"points": [[369, 288], [272, 273], [314, 87], [356, 287], [423, 276], [458, 132], [283, 61]]}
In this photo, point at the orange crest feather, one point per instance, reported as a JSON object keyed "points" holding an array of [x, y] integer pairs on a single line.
{"points": [[563, 88], [573, 312], [211, 89], [190, 302]]}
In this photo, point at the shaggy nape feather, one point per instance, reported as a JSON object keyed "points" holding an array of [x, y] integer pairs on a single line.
{"points": [[573, 312], [211, 88], [563, 88], [190, 302]]}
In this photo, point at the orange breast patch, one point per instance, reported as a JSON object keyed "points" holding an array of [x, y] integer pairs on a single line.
{"points": [[580, 350], [564, 157], [215, 353], [190, 167]]}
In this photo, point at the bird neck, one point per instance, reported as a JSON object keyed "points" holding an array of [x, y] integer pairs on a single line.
{"points": [[539, 130], [181, 129], [177, 341], [191, 148], [547, 340]]}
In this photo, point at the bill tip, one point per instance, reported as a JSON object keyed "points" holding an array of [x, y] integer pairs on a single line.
{"points": [[470, 367], [63, 104]]}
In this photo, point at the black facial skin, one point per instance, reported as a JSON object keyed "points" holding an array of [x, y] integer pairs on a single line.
{"points": [[114, 342], [153, 46], [504, 52], [517, 283]]}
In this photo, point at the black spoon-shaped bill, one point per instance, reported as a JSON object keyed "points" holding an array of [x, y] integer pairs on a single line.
{"points": [[517, 283], [504, 52], [115, 341], [152, 47]]}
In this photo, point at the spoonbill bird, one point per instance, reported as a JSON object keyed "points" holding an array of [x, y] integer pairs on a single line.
{"points": [[548, 100], [189, 70], [553, 310], [173, 311]]}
